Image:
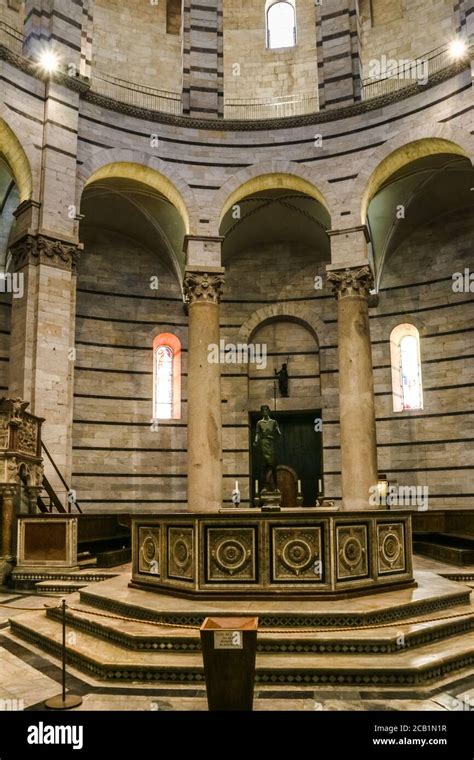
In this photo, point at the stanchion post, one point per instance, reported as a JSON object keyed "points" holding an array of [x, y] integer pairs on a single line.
{"points": [[63, 701]]}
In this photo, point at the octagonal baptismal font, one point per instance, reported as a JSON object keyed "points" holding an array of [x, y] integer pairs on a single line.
{"points": [[252, 554]]}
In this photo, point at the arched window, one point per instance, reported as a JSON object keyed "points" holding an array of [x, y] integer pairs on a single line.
{"points": [[281, 24], [407, 385], [166, 377]]}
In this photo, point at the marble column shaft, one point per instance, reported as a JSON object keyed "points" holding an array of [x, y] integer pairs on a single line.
{"points": [[6, 495], [356, 387], [202, 292]]}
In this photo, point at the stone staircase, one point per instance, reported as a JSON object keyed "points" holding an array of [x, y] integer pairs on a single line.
{"points": [[414, 638], [57, 583]]}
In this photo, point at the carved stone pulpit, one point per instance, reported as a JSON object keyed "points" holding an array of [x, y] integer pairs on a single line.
{"points": [[20, 464]]}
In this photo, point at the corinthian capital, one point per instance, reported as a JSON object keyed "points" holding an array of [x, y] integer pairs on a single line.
{"points": [[39, 249], [351, 282], [203, 287]]}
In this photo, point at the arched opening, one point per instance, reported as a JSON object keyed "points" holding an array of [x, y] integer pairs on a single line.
{"points": [[130, 325], [277, 181], [150, 178], [402, 157], [15, 158], [281, 24], [275, 251], [407, 385], [418, 193], [166, 377]]}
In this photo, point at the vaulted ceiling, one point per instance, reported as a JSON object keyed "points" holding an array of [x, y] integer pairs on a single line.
{"points": [[419, 193]]}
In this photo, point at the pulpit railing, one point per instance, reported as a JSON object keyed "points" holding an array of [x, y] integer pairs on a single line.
{"points": [[53, 497]]}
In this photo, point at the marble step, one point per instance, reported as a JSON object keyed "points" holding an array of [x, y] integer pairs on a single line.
{"points": [[433, 593], [105, 660], [59, 587], [27, 580], [136, 635]]}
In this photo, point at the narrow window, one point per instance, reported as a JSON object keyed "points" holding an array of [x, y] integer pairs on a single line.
{"points": [[281, 25], [407, 384], [166, 377]]}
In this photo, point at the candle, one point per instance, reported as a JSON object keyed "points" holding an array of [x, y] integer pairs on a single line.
{"points": [[236, 485], [320, 490], [256, 486], [299, 486]]}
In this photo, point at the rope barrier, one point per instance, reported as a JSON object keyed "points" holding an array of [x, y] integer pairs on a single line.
{"points": [[367, 627], [281, 630]]}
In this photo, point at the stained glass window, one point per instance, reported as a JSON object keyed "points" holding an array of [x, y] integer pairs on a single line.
{"points": [[281, 25]]}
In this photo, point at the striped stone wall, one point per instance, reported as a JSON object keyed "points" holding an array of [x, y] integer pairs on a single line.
{"points": [[202, 59], [338, 43]]}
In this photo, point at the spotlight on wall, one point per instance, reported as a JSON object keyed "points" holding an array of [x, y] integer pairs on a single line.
{"points": [[457, 49], [49, 61]]}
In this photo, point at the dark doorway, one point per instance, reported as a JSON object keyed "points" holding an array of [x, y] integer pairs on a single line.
{"points": [[300, 447]]}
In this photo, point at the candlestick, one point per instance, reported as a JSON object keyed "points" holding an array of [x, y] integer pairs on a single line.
{"points": [[299, 486]]}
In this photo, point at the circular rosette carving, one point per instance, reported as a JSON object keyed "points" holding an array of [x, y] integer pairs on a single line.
{"points": [[231, 555], [297, 555], [391, 548], [150, 553], [352, 552], [181, 553]]}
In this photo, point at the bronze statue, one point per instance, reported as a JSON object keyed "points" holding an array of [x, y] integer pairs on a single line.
{"points": [[267, 429], [282, 376]]}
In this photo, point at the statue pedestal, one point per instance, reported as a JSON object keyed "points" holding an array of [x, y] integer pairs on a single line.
{"points": [[270, 499]]}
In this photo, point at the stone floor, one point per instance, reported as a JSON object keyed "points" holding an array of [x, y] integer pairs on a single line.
{"points": [[28, 677]]}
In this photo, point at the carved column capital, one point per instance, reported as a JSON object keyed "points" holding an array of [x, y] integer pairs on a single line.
{"points": [[351, 282], [40, 249], [203, 287]]}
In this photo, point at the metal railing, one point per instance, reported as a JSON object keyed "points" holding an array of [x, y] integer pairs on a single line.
{"points": [[270, 108], [136, 94], [54, 499], [408, 72]]}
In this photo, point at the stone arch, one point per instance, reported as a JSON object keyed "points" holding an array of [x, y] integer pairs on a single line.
{"points": [[148, 170], [15, 155], [267, 175], [293, 312], [401, 150]]}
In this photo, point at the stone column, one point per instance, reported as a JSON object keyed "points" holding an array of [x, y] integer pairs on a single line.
{"points": [[7, 494], [42, 340], [203, 291], [356, 387]]}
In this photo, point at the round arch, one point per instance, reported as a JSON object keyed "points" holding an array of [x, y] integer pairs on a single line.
{"points": [[17, 160], [406, 147], [148, 170], [269, 175], [293, 312]]}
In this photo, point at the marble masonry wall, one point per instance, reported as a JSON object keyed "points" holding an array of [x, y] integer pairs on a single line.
{"points": [[118, 462]]}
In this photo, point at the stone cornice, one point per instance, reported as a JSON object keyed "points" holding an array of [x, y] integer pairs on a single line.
{"points": [[350, 230], [40, 249], [290, 122], [77, 84]]}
